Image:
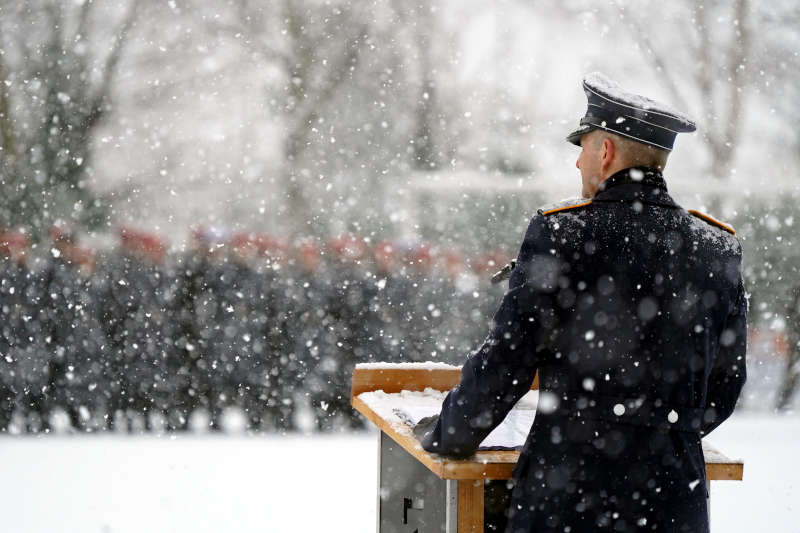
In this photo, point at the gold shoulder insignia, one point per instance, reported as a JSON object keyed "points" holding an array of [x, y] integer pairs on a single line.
{"points": [[563, 208], [712, 221]]}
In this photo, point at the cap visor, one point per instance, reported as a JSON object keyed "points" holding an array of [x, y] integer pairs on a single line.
{"points": [[575, 136]]}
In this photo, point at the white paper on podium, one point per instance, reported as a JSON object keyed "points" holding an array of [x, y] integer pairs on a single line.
{"points": [[510, 434]]}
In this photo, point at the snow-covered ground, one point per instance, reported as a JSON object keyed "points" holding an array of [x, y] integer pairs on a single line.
{"points": [[190, 483]]}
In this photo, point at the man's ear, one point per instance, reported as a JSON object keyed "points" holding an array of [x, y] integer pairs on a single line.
{"points": [[608, 153]]}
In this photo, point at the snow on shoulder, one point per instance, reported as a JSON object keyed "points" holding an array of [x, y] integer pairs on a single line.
{"points": [[711, 220], [718, 234], [563, 205]]}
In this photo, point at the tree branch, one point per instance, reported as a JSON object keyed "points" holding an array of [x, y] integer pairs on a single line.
{"points": [[738, 61], [253, 25], [102, 93], [7, 147], [341, 70], [704, 75], [83, 20], [659, 62]]}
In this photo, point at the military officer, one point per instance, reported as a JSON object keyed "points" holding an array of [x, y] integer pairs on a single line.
{"points": [[633, 312]]}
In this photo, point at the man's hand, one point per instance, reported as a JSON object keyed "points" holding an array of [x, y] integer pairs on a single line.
{"points": [[425, 426]]}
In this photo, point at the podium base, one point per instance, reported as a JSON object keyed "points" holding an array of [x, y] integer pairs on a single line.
{"points": [[412, 498]]}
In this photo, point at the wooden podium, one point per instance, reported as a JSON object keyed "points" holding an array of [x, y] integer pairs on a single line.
{"points": [[421, 491]]}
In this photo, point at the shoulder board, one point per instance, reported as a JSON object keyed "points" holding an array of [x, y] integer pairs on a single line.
{"points": [[564, 206], [712, 221]]}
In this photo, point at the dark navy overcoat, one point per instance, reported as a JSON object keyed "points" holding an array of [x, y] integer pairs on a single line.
{"points": [[633, 312]]}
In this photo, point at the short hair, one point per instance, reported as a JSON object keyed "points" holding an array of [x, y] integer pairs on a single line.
{"points": [[634, 153]]}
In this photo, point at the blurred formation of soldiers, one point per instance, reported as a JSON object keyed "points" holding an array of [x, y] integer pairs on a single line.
{"points": [[135, 338]]}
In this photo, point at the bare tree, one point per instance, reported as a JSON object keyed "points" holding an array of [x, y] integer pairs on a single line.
{"points": [[718, 56], [791, 374], [425, 155], [7, 147], [780, 62], [315, 47], [59, 92]]}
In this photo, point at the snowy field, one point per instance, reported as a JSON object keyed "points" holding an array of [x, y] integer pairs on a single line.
{"points": [[190, 483]]}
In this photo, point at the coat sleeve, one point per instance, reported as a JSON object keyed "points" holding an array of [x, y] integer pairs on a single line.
{"points": [[501, 371], [729, 373]]}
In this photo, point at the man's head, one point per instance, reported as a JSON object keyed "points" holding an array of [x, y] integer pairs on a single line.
{"points": [[604, 153], [621, 129]]}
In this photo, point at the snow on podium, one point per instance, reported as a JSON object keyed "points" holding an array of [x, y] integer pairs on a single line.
{"points": [[424, 492]]}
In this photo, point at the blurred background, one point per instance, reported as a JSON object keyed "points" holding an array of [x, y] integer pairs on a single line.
{"points": [[212, 210]]}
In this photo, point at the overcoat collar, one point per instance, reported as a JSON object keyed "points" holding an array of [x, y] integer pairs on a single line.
{"points": [[644, 184]]}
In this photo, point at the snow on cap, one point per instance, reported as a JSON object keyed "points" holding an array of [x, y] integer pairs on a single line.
{"points": [[612, 108]]}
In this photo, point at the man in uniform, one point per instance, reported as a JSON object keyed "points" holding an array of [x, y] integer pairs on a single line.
{"points": [[633, 312]]}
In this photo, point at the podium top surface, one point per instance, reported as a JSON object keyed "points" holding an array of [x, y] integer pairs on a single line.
{"points": [[380, 393]]}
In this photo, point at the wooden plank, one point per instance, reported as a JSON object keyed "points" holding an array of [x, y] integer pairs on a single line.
{"points": [[719, 466], [397, 379], [470, 506], [733, 471], [483, 464], [391, 380]]}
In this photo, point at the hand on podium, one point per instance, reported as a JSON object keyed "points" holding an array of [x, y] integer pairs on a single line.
{"points": [[425, 426]]}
